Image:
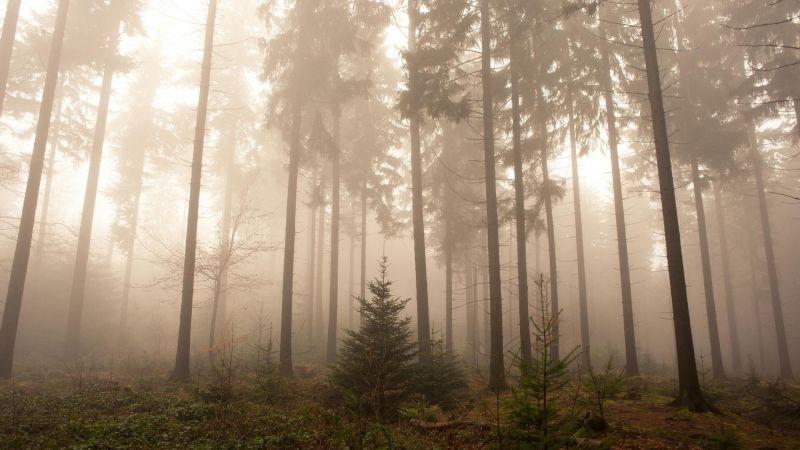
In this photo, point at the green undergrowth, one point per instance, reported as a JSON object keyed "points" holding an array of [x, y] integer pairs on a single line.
{"points": [[96, 411]]}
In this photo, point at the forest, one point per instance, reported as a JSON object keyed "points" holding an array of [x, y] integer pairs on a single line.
{"points": [[413, 224]]}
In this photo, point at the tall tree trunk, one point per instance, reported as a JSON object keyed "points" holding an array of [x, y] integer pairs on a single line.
{"points": [[417, 206], [311, 233], [351, 269], [181, 371], [756, 296], [319, 325], [708, 284], [576, 198], [7, 46], [448, 289], [227, 207], [487, 322], [796, 104], [689, 393], [509, 320], [333, 300], [551, 235], [447, 156], [219, 305], [129, 252], [772, 272], [214, 313], [48, 188], [519, 213], [470, 341], [77, 294], [631, 360], [497, 379], [285, 356], [19, 266], [363, 284], [538, 253], [730, 303]]}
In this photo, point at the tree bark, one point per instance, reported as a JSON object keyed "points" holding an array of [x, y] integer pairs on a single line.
{"points": [[447, 195], [509, 321], [19, 266], [708, 284], [689, 394], [519, 214], [470, 350], [351, 269], [311, 233], [448, 289], [772, 272], [181, 371], [7, 46], [363, 285], [576, 198], [551, 235], [631, 360], [319, 325], [214, 312], [497, 379], [285, 357], [733, 329], [487, 333], [756, 297], [417, 206], [333, 299]]}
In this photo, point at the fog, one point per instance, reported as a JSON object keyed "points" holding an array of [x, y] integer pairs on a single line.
{"points": [[302, 94]]}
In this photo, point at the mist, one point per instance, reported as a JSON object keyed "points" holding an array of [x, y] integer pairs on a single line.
{"points": [[200, 194]]}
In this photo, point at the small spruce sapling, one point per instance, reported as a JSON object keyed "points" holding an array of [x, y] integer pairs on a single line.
{"points": [[442, 379], [601, 386], [537, 409], [376, 367]]}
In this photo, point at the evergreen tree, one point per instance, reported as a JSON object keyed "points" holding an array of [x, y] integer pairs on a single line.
{"points": [[536, 407], [376, 363]]}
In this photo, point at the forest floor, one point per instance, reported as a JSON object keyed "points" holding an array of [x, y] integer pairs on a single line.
{"points": [[105, 411]]}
